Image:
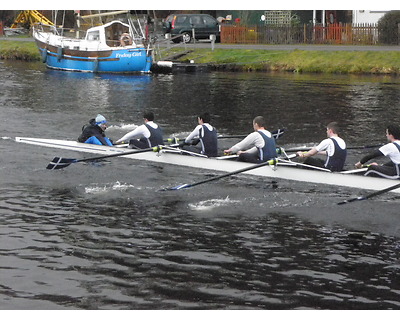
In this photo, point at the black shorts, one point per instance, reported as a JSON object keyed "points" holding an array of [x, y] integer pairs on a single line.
{"points": [[390, 171]]}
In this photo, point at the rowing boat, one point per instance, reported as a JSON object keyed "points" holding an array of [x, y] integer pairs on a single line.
{"points": [[284, 170]]}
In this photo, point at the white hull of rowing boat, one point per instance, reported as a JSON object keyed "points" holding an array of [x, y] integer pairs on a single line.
{"points": [[280, 172]]}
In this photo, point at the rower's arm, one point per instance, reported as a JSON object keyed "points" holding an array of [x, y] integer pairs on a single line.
{"points": [[193, 134], [137, 133], [307, 154], [373, 155]]}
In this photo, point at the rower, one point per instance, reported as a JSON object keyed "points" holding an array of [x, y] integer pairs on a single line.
{"points": [[333, 147], [390, 169], [259, 146], [94, 132], [145, 136], [205, 134]]}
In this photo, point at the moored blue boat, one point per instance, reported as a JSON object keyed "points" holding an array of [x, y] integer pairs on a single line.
{"points": [[112, 47]]}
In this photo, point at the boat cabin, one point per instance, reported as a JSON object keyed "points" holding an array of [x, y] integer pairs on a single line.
{"points": [[113, 34]]}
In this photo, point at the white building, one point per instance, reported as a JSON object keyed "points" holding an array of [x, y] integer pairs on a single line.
{"points": [[367, 16]]}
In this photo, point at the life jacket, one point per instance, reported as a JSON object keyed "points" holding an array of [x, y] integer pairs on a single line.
{"points": [[337, 160], [398, 148], [156, 137], [267, 152], [209, 141]]}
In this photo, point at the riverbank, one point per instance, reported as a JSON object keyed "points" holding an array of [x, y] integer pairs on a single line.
{"points": [[263, 60], [19, 50], [344, 62]]}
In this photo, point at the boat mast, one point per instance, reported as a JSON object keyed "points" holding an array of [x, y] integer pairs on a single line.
{"points": [[78, 22]]}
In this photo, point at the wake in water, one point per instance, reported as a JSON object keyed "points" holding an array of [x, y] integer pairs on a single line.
{"points": [[116, 186], [124, 127], [212, 203]]}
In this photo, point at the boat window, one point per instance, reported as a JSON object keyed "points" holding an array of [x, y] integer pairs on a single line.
{"points": [[93, 36], [113, 34]]}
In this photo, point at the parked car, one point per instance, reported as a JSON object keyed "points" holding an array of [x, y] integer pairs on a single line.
{"points": [[204, 25]]}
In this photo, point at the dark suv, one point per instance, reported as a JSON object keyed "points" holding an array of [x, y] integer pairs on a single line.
{"points": [[182, 24]]}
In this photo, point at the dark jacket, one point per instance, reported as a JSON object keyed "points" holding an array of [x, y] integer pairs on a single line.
{"points": [[92, 130]]}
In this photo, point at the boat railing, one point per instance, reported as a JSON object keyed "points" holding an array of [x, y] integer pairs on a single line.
{"points": [[45, 28], [57, 30]]}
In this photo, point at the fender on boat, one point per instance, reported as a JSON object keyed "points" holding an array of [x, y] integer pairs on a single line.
{"points": [[44, 55], [59, 53], [96, 65]]}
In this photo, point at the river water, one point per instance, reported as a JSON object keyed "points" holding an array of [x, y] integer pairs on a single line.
{"points": [[104, 237]]}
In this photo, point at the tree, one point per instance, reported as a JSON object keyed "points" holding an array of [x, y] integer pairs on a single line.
{"points": [[388, 27]]}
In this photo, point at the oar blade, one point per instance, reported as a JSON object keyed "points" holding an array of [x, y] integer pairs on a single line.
{"points": [[373, 194], [182, 186], [59, 163], [278, 133], [352, 200]]}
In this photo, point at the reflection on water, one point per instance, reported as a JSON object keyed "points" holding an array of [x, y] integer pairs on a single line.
{"points": [[105, 237]]}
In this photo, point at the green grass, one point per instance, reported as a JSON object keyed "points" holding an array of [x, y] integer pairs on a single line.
{"points": [[19, 50], [370, 62]]}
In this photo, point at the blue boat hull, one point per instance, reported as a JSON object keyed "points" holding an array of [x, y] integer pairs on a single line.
{"points": [[119, 61]]}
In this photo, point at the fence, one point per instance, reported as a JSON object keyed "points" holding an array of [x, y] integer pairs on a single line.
{"points": [[366, 34]]}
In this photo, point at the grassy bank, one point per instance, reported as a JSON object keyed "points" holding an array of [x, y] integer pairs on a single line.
{"points": [[19, 50], [346, 62], [368, 62]]}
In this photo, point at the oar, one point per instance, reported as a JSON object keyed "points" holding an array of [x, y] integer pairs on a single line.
{"points": [[373, 194], [365, 147], [304, 148], [276, 134], [354, 171], [180, 151], [59, 163], [298, 164], [258, 165]]}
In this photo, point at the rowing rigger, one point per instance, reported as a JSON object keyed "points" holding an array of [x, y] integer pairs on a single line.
{"points": [[287, 172]]}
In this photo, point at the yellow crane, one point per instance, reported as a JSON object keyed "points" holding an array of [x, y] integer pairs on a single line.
{"points": [[30, 16]]}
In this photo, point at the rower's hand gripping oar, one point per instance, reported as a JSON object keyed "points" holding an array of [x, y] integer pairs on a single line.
{"points": [[258, 165], [373, 194], [59, 163]]}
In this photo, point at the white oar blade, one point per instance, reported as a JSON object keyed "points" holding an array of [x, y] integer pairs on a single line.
{"points": [[59, 163], [352, 200], [182, 186]]}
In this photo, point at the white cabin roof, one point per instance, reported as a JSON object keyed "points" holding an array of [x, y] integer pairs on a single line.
{"points": [[102, 27]]}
